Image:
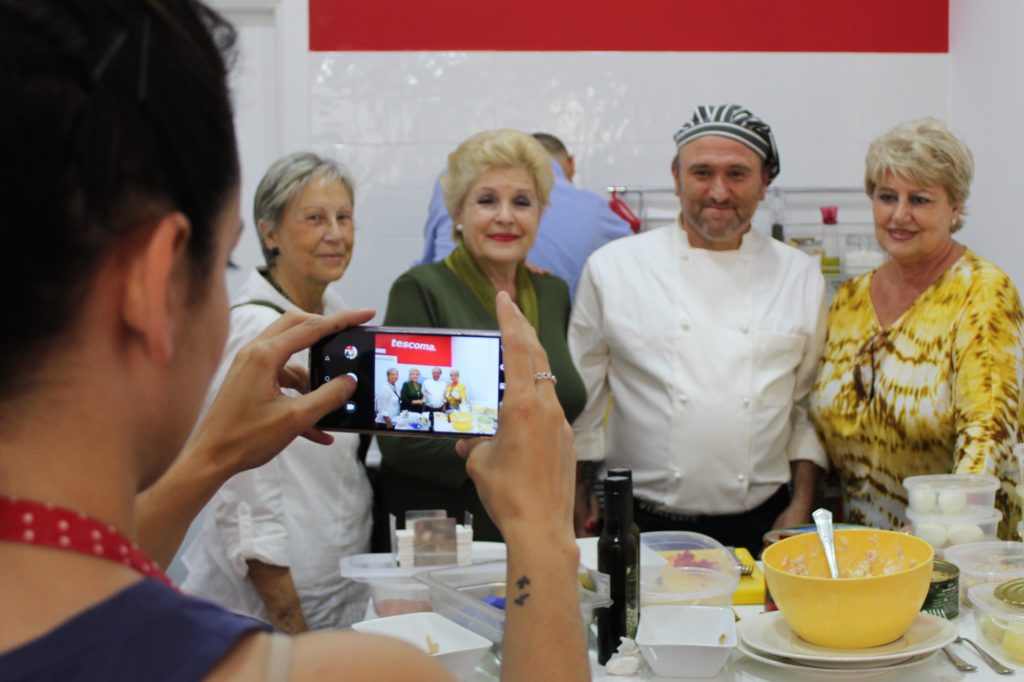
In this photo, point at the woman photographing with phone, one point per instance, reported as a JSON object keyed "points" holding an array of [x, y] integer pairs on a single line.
{"points": [[122, 107]]}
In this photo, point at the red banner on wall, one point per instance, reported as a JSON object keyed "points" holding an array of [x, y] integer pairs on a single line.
{"points": [[435, 351], [636, 26]]}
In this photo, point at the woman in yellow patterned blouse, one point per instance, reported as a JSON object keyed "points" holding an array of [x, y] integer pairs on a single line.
{"points": [[922, 366]]}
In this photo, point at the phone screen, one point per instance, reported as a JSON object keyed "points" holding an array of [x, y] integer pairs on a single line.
{"points": [[419, 382]]}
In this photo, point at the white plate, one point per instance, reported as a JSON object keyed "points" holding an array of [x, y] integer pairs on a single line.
{"points": [[768, 633], [819, 673]]}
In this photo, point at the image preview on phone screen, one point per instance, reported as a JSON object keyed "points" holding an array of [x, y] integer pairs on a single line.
{"points": [[413, 382]]}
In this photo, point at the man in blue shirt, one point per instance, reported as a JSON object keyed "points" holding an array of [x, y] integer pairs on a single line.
{"points": [[575, 224]]}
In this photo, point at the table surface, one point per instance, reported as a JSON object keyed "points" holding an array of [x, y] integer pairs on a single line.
{"points": [[742, 669]]}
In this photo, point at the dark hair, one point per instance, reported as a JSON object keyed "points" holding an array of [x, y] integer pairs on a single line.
{"points": [[551, 143], [114, 112]]}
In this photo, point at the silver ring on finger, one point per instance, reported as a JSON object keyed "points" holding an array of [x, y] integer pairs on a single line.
{"points": [[545, 376]]}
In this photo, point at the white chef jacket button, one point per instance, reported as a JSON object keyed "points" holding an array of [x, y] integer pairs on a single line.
{"points": [[683, 398], [746, 402], [685, 325], [741, 478], [678, 475], [744, 329]]}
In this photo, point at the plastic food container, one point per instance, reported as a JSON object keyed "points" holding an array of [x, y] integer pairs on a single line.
{"points": [[699, 571], [455, 647], [941, 531], [986, 562], [461, 594], [997, 621], [686, 641], [588, 560], [395, 590], [952, 494]]}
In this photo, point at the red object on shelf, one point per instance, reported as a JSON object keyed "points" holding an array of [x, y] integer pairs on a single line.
{"points": [[830, 215], [622, 209]]}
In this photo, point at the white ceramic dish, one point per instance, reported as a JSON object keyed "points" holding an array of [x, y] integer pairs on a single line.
{"points": [[829, 673], [458, 649], [686, 641], [770, 634]]}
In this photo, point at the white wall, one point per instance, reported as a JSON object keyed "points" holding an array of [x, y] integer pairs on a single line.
{"points": [[987, 98], [394, 116]]}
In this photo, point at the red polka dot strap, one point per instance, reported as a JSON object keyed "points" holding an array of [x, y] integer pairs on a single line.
{"points": [[43, 524]]}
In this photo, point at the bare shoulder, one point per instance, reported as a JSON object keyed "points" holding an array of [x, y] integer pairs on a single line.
{"points": [[325, 656]]}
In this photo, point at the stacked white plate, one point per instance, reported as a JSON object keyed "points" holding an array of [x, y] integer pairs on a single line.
{"points": [[768, 639]]}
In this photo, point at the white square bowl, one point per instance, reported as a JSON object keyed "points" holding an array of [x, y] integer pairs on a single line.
{"points": [[686, 641], [459, 649]]}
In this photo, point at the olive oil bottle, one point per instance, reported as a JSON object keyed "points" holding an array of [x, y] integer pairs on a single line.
{"points": [[618, 560]]}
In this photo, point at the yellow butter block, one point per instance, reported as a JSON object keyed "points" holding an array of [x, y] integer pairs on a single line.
{"points": [[751, 587]]}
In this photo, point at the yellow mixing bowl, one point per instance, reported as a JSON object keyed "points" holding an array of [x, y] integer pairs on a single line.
{"points": [[891, 573], [462, 421]]}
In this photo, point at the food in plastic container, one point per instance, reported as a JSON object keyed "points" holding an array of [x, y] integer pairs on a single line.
{"points": [[973, 524], [950, 493], [468, 595], [698, 571], [395, 590], [986, 562], [395, 597], [999, 616]]}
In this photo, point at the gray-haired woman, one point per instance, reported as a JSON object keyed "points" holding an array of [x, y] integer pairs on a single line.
{"points": [[272, 537]]}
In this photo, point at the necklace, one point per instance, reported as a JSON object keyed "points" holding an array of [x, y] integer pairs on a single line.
{"points": [[46, 525], [273, 282]]}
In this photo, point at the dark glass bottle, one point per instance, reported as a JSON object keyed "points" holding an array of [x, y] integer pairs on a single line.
{"points": [[625, 472], [618, 559]]}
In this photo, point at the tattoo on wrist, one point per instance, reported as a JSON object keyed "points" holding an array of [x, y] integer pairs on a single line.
{"points": [[521, 584]]}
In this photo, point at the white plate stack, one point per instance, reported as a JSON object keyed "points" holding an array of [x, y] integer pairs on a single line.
{"points": [[768, 639]]}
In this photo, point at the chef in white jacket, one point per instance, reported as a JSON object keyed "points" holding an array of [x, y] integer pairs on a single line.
{"points": [[272, 537], [707, 334]]}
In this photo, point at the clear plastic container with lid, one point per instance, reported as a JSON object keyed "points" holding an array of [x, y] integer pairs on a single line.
{"points": [[394, 589], [950, 493], [942, 531], [999, 616], [986, 562], [472, 597], [699, 571]]}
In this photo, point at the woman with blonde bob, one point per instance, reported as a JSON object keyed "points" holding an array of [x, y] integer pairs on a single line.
{"points": [[495, 188], [922, 366]]}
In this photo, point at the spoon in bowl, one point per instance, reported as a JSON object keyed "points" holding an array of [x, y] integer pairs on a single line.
{"points": [[823, 521]]}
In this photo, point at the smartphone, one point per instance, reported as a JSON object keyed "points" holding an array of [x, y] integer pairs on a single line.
{"points": [[414, 382]]}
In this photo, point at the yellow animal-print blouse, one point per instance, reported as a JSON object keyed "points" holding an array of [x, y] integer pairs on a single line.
{"points": [[939, 391]]}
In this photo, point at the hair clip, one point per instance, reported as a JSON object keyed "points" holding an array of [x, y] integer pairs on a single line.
{"points": [[108, 56]]}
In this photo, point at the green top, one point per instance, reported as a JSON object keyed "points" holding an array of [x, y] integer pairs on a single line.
{"points": [[411, 391], [433, 296]]}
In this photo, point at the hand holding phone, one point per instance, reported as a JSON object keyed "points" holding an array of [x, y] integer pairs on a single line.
{"points": [[411, 381]]}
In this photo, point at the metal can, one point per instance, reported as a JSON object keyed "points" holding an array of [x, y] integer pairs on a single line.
{"points": [[944, 591]]}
